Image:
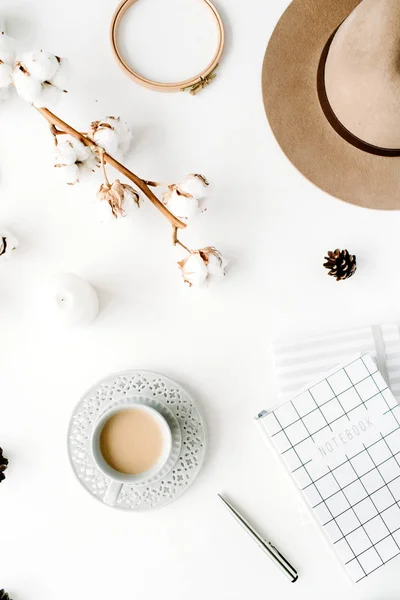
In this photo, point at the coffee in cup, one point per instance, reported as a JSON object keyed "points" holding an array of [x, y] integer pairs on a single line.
{"points": [[131, 441], [130, 445]]}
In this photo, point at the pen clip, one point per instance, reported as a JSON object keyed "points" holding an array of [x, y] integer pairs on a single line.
{"points": [[275, 549]]}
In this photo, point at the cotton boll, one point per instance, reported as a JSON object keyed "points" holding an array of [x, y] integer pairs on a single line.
{"points": [[65, 153], [69, 155], [112, 135], [131, 203], [41, 65], [89, 165], [119, 196], [69, 173], [104, 212], [194, 270], [216, 265], [195, 185], [124, 133], [203, 266], [108, 139], [82, 151], [49, 96], [60, 78], [185, 200], [27, 87], [7, 49], [181, 206], [6, 75]]}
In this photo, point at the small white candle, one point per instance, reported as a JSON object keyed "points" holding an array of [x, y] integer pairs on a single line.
{"points": [[74, 300]]}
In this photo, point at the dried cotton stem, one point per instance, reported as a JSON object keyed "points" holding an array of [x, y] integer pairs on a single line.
{"points": [[177, 242], [103, 167]]}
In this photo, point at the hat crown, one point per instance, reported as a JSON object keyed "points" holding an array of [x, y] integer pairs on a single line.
{"points": [[362, 73]]}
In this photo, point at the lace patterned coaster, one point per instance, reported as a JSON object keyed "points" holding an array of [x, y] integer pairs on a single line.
{"points": [[174, 404]]}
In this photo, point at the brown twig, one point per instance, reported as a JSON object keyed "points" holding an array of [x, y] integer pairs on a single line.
{"points": [[177, 242], [59, 124], [103, 167], [54, 131]]}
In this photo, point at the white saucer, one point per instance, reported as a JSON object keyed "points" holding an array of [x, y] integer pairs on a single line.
{"points": [[181, 413]]}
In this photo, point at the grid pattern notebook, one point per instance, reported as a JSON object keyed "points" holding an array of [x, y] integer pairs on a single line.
{"points": [[340, 440]]}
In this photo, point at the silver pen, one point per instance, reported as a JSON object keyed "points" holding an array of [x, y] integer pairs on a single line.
{"points": [[268, 548]]}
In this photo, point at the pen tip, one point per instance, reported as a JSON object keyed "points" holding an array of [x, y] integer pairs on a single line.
{"points": [[224, 500]]}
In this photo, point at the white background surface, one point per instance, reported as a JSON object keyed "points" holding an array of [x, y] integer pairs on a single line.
{"points": [[56, 542]]}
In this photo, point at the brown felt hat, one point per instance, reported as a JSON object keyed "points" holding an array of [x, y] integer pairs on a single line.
{"points": [[331, 88]]}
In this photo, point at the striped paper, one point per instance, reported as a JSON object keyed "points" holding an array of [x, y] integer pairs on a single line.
{"points": [[300, 360]]}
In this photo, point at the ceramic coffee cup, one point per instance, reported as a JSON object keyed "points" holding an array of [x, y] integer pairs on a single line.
{"points": [[116, 478]]}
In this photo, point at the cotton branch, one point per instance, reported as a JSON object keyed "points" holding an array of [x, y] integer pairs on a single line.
{"points": [[39, 77], [61, 127]]}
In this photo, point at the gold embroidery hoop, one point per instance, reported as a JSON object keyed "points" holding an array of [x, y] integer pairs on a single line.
{"points": [[194, 84]]}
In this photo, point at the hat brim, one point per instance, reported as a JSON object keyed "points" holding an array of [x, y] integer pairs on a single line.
{"points": [[293, 107]]}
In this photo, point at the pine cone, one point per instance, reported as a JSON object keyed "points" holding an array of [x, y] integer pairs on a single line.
{"points": [[341, 264], [4, 595], [3, 467]]}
